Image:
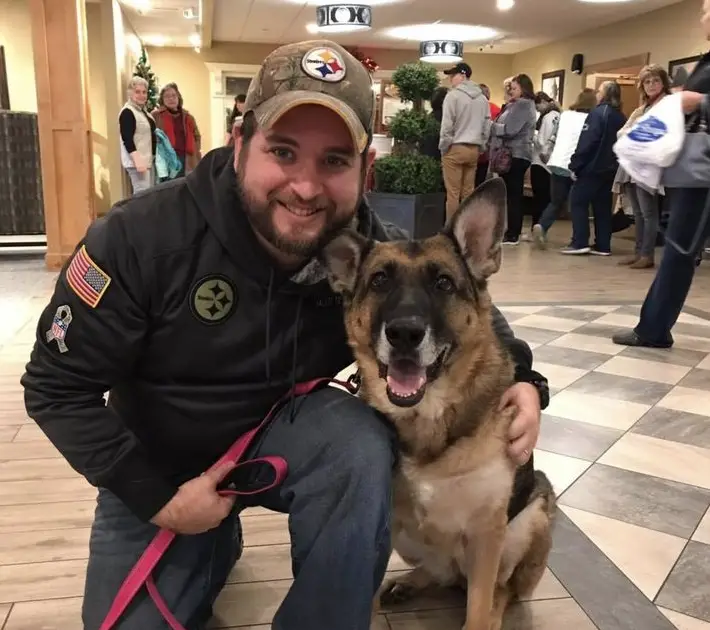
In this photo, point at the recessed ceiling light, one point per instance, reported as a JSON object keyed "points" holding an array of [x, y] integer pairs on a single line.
{"points": [[438, 30], [505, 5], [605, 1], [195, 40]]}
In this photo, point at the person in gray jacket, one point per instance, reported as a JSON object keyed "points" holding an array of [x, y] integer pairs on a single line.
{"points": [[513, 132], [465, 126]]}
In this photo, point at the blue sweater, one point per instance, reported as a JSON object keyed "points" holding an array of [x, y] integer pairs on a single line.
{"points": [[595, 149]]}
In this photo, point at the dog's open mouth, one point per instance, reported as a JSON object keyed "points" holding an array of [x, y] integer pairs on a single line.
{"points": [[407, 379]]}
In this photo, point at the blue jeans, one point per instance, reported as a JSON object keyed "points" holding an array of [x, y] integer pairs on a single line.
{"points": [[337, 495], [595, 190], [666, 297], [560, 187]]}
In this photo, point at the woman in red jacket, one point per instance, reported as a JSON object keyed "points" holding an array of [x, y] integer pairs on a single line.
{"points": [[180, 127]]}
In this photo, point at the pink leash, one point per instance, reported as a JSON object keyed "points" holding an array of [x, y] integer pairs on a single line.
{"points": [[142, 572]]}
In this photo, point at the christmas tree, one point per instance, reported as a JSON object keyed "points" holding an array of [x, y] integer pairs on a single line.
{"points": [[143, 70]]}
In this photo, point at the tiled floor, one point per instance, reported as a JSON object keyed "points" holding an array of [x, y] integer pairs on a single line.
{"points": [[626, 441]]}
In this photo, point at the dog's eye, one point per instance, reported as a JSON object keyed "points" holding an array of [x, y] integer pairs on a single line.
{"points": [[378, 280], [445, 284]]}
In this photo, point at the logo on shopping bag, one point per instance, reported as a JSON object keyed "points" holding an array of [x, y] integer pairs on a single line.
{"points": [[649, 130]]}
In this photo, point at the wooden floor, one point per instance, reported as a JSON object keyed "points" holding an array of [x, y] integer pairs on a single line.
{"points": [[46, 509]]}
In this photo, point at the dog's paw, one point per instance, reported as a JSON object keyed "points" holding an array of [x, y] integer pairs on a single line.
{"points": [[397, 592]]}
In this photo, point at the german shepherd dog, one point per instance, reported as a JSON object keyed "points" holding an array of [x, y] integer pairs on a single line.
{"points": [[418, 318]]}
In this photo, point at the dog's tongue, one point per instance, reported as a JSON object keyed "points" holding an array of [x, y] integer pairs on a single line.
{"points": [[405, 378]]}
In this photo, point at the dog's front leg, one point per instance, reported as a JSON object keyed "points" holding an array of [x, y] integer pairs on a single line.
{"points": [[482, 555]]}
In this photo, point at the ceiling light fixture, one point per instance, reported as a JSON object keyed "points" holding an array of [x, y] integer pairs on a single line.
{"points": [[195, 40], [605, 1], [441, 51], [505, 5], [343, 18], [443, 32]]}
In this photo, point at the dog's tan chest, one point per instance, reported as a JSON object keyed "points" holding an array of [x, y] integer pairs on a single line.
{"points": [[449, 504]]}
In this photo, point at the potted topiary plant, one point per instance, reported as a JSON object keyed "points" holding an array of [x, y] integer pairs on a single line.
{"points": [[408, 188]]}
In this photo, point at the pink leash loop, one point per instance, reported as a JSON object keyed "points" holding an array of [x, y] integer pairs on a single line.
{"points": [[142, 572]]}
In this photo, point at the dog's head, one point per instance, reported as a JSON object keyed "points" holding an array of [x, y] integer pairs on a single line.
{"points": [[414, 308]]}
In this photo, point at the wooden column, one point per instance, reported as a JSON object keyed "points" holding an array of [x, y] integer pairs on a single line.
{"points": [[61, 70]]}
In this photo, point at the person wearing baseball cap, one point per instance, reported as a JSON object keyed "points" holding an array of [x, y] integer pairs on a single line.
{"points": [[200, 305], [464, 132]]}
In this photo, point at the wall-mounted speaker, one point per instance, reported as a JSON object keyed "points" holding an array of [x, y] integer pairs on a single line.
{"points": [[577, 63]]}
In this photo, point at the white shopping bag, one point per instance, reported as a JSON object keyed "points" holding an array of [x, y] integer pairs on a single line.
{"points": [[647, 176], [657, 137]]}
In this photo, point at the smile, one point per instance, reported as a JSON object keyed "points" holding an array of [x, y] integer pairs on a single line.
{"points": [[299, 212], [407, 379]]}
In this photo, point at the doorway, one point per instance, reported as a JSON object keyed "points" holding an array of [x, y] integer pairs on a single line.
{"points": [[625, 72]]}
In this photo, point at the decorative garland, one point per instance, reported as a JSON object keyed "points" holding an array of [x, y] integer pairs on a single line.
{"points": [[370, 64]]}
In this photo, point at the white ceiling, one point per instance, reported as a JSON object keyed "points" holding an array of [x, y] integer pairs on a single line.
{"points": [[530, 23]]}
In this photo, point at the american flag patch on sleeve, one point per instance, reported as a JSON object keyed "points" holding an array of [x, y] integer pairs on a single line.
{"points": [[86, 278]]}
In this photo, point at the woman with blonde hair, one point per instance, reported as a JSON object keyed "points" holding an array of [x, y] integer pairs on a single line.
{"points": [[653, 84], [137, 131]]}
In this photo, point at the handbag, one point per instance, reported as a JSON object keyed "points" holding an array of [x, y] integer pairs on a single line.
{"points": [[692, 167], [501, 160]]}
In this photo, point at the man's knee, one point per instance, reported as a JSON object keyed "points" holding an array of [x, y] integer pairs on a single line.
{"points": [[188, 577]]}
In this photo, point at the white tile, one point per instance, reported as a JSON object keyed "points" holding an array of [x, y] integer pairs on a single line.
{"points": [[644, 555], [594, 308], [591, 343], [524, 310], [604, 412], [618, 319], [644, 369], [562, 471], [690, 342], [684, 622], [688, 400], [559, 376], [704, 364], [558, 324], [702, 533], [687, 318], [660, 458]]}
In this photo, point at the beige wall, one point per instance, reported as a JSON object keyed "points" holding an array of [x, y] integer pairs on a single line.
{"points": [[16, 37], [670, 33], [187, 68]]}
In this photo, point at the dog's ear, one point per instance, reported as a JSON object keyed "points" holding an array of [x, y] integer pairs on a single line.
{"points": [[478, 226], [342, 257]]}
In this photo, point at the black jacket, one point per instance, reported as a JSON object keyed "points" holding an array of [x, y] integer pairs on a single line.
{"points": [[184, 384], [595, 149]]}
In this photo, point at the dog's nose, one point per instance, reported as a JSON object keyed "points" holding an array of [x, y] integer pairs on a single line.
{"points": [[405, 333]]}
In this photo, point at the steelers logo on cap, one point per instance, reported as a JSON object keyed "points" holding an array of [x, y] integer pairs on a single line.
{"points": [[324, 64]]}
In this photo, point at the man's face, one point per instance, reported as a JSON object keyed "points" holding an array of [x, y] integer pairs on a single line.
{"points": [[457, 78], [301, 181]]}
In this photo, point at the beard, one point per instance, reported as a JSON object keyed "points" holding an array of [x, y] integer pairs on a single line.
{"points": [[297, 243]]}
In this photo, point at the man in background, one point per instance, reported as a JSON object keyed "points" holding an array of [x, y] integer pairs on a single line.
{"points": [[482, 168], [465, 126]]}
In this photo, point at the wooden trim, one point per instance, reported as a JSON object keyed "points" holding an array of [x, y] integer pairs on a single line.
{"points": [[59, 45], [4, 88]]}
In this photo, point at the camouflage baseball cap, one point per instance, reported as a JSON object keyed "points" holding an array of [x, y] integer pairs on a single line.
{"points": [[316, 72]]}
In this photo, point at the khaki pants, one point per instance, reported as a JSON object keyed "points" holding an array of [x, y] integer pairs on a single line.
{"points": [[459, 169]]}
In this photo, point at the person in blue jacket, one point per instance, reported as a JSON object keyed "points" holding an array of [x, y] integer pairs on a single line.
{"points": [[594, 167]]}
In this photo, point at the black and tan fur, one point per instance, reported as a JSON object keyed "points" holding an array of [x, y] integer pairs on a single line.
{"points": [[455, 481]]}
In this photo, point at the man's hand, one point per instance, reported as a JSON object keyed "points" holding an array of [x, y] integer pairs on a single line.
{"points": [[197, 507], [525, 428]]}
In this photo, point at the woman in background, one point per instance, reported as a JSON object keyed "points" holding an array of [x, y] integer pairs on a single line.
{"points": [[137, 131], [654, 84], [513, 133], [594, 165], [569, 129], [543, 143], [179, 126]]}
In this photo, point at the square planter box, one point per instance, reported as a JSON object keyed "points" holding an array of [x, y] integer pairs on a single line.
{"points": [[419, 215]]}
